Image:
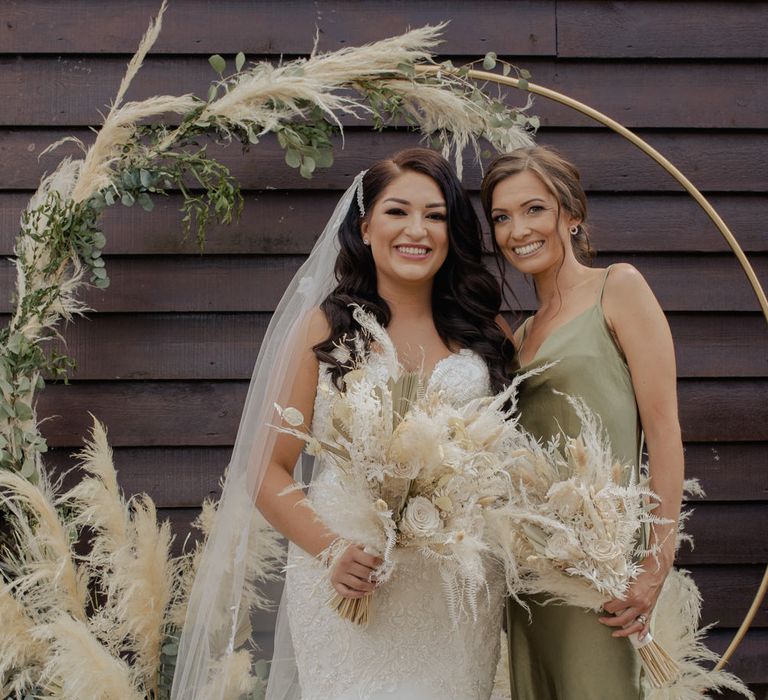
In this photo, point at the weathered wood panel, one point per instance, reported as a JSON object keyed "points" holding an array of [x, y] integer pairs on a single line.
{"points": [[71, 91], [207, 413], [271, 27], [748, 663], [181, 477], [727, 593], [727, 533], [729, 471], [224, 346], [585, 28], [717, 161], [288, 222], [661, 29], [244, 283]]}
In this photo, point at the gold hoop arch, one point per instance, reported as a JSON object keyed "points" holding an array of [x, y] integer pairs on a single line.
{"points": [[703, 203]]}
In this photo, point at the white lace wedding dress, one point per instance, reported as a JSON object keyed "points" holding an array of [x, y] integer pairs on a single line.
{"points": [[410, 650]]}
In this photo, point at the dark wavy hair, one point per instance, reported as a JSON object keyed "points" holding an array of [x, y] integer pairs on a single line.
{"points": [[466, 298]]}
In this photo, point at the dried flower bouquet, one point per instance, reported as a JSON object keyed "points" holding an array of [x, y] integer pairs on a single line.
{"points": [[579, 528], [410, 469]]}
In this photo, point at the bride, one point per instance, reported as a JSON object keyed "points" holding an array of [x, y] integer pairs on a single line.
{"points": [[405, 244]]}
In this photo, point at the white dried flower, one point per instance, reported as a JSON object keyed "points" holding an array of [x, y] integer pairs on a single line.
{"points": [[603, 550], [420, 519], [566, 498], [415, 448], [564, 547], [293, 416]]}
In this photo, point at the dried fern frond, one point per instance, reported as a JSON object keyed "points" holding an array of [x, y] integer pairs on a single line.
{"points": [[79, 666]]}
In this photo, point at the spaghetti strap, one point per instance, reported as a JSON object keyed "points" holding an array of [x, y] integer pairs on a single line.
{"points": [[602, 286], [524, 327]]}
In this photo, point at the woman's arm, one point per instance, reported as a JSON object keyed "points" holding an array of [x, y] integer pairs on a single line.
{"points": [[642, 331], [290, 513]]}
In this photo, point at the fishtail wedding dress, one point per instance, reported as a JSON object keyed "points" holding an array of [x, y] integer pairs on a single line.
{"points": [[411, 649]]}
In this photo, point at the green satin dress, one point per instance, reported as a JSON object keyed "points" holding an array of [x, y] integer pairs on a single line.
{"points": [[563, 652]]}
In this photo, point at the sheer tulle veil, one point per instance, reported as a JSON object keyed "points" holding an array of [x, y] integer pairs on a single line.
{"points": [[218, 617]]}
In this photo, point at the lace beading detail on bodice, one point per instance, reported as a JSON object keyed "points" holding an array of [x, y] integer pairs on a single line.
{"points": [[410, 650]]}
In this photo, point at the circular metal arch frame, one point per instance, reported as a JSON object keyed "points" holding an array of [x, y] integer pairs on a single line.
{"points": [[703, 203]]}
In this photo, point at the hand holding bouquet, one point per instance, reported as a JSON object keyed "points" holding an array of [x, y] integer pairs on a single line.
{"points": [[578, 528]]}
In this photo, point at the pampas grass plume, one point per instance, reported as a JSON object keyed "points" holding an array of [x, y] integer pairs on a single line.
{"points": [[21, 653], [143, 583], [79, 667], [676, 627], [233, 680], [49, 541], [98, 497]]}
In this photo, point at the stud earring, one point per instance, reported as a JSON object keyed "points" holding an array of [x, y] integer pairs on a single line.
{"points": [[366, 241], [574, 230]]}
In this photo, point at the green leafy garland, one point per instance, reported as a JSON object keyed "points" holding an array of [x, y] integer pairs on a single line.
{"points": [[60, 239]]}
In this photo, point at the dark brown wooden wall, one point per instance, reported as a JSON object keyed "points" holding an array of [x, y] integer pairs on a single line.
{"points": [[166, 357]]}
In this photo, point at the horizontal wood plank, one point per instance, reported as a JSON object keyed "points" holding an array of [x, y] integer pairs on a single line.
{"points": [[245, 283], [713, 161], [181, 477], [760, 690], [207, 413], [727, 533], [653, 29], [72, 91], [288, 26], [727, 593], [225, 345], [289, 222], [729, 471], [748, 662], [660, 29]]}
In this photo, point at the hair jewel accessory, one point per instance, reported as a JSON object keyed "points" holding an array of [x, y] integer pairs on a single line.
{"points": [[360, 204]]}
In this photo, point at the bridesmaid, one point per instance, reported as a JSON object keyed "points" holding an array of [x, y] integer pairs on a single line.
{"points": [[614, 349]]}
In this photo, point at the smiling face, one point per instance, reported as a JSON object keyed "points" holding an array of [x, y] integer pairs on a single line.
{"points": [[529, 226], [408, 230]]}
